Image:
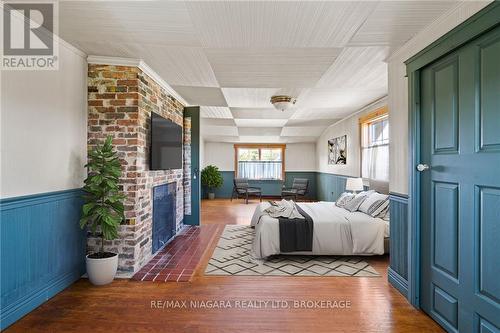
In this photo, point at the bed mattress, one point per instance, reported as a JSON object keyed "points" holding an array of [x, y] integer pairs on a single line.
{"points": [[336, 231]]}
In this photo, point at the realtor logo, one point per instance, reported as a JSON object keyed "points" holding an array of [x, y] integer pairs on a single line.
{"points": [[28, 36]]}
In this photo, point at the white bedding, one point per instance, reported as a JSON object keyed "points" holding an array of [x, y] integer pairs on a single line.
{"points": [[336, 231]]}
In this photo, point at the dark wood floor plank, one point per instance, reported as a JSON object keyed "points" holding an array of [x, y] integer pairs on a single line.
{"points": [[125, 306]]}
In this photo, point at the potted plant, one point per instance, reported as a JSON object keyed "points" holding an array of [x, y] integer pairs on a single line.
{"points": [[103, 209], [212, 179]]}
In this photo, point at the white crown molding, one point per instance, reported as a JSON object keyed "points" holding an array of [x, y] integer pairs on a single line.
{"points": [[139, 63]]}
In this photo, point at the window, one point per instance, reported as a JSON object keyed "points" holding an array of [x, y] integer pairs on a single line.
{"points": [[375, 145], [259, 161]]}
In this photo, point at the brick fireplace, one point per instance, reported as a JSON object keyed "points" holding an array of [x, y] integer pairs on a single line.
{"points": [[120, 102]]}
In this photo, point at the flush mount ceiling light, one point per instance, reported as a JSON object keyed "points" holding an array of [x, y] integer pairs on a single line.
{"points": [[282, 102]]}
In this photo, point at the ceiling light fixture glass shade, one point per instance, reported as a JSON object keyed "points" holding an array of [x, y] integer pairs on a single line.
{"points": [[282, 102]]}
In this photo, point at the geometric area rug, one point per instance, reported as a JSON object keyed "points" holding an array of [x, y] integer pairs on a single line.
{"points": [[232, 256]]}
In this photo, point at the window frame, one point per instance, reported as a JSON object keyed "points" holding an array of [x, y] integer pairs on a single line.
{"points": [[364, 123], [260, 146]]}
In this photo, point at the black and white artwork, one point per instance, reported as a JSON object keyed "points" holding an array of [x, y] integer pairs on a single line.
{"points": [[337, 150]]}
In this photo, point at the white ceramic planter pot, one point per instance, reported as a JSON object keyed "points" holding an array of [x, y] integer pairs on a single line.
{"points": [[211, 196], [103, 270]]}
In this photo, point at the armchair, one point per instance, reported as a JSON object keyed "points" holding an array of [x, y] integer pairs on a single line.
{"points": [[299, 189], [242, 189]]}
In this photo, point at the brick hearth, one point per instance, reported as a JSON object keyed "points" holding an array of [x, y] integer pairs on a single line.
{"points": [[178, 260]]}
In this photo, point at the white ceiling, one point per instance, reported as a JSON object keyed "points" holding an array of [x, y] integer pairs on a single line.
{"points": [[230, 57]]}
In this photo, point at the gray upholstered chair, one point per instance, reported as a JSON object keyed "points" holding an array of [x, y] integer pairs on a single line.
{"points": [[298, 190], [242, 189]]}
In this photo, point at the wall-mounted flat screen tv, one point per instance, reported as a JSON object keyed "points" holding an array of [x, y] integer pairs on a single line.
{"points": [[166, 144]]}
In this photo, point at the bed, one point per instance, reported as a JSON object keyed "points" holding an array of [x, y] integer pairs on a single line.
{"points": [[336, 230]]}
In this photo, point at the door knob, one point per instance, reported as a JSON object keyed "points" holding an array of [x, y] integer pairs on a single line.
{"points": [[423, 167]]}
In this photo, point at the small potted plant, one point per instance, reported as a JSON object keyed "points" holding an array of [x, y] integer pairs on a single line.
{"points": [[103, 210], [212, 179]]}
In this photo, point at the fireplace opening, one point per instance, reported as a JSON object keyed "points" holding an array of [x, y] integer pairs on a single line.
{"points": [[164, 214]]}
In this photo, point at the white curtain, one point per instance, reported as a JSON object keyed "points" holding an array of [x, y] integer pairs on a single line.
{"points": [[259, 169], [376, 162]]}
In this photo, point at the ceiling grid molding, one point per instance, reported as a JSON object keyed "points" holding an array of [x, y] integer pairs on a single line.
{"points": [[139, 63], [231, 57]]}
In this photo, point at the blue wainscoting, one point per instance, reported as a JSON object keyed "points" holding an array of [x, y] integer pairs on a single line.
{"points": [[268, 187], [330, 186], [398, 268], [42, 250]]}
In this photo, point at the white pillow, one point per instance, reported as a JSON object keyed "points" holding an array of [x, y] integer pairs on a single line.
{"points": [[343, 199], [373, 202], [358, 199]]}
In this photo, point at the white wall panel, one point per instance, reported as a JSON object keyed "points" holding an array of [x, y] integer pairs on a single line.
{"points": [[44, 127], [350, 127]]}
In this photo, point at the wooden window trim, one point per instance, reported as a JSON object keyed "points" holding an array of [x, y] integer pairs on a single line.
{"points": [[364, 121], [260, 146]]}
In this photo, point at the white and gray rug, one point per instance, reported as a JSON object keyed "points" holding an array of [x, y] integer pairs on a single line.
{"points": [[232, 256]]}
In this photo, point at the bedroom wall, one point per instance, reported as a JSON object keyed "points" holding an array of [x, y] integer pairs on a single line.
{"points": [[43, 151], [51, 107], [331, 178], [299, 163]]}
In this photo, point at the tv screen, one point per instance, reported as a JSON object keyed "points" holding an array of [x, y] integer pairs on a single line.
{"points": [[166, 144]]}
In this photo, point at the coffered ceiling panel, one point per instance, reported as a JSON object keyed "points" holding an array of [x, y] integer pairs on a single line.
{"points": [[259, 131], [146, 22], [252, 97], [278, 23], [357, 67], [185, 66], [395, 22], [270, 68], [262, 113], [230, 57], [205, 96], [260, 122], [215, 112]]}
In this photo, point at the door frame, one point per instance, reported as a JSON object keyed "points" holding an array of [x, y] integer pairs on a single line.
{"points": [[485, 20], [193, 112]]}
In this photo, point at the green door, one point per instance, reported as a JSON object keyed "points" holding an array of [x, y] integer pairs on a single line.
{"points": [[460, 191], [192, 173]]}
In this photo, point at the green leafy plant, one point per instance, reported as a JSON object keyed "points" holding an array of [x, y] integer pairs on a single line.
{"points": [[103, 200], [211, 177]]}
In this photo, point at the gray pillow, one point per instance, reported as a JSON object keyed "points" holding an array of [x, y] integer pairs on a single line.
{"points": [[379, 208], [343, 199], [373, 202], [358, 199]]}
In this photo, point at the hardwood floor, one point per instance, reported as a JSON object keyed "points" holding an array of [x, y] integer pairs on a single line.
{"points": [[130, 306]]}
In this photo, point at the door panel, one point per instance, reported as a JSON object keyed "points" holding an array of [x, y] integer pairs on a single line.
{"points": [[445, 228], [488, 128], [460, 194], [489, 235], [445, 114]]}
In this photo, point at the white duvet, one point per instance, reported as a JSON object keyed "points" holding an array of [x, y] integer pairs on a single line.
{"points": [[336, 231]]}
